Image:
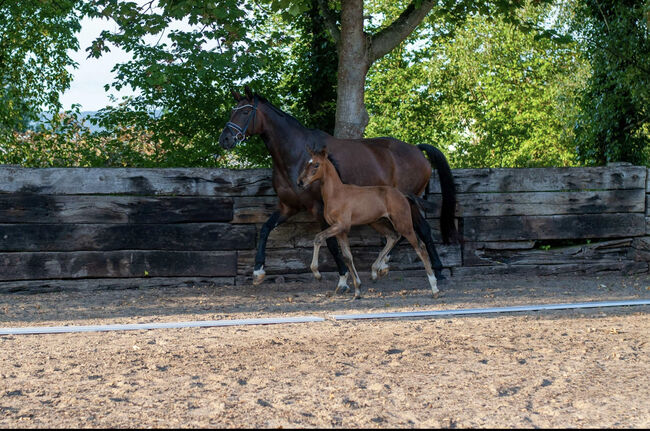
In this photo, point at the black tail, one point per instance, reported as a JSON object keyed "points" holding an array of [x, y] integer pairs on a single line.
{"points": [[439, 162]]}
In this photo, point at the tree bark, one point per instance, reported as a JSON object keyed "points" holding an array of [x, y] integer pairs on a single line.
{"points": [[357, 52], [351, 114]]}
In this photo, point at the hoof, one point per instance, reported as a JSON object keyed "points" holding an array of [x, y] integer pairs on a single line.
{"points": [[318, 276], [258, 276], [374, 275], [342, 285]]}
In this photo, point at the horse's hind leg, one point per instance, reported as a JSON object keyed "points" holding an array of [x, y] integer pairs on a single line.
{"points": [[423, 231], [403, 225], [276, 219], [347, 255], [379, 267], [424, 257]]}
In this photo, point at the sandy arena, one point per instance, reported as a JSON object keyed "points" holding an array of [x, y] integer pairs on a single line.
{"points": [[582, 369]]}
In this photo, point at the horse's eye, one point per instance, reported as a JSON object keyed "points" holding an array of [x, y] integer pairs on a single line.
{"points": [[316, 165]]}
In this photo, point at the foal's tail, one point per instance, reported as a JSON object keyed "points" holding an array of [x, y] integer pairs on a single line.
{"points": [[439, 162]]}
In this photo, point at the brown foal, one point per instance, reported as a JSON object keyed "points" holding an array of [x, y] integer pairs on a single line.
{"points": [[347, 205]]}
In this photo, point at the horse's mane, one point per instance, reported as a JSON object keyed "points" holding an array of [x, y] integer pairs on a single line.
{"points": [[277, 110]]}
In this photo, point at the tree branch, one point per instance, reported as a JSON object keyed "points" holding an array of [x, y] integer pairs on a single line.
{"points": [[388, 38], [330, 20]]}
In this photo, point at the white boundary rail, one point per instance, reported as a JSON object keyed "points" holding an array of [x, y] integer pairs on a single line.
{"points": [[306, 319]]}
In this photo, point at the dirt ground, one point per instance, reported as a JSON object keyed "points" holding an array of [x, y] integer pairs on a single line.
{"points": [[584, 369]]}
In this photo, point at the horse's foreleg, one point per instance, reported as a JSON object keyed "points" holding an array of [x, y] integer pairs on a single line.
{"points": [[276, 219], [347, 255], [333, 247], [423, 231], [319, 239]]}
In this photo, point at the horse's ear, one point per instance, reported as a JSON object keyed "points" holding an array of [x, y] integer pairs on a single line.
{"points": [[248, 92], [309, 150], [238, 97]]}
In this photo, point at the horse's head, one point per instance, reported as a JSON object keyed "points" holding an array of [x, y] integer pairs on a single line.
{"points": [[244, 120], [313, 169]]}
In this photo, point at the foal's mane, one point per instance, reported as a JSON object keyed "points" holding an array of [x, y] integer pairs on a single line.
{"points": [[335, 164]]}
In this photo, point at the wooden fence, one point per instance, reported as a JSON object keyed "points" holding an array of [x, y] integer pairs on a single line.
{"points": [[122, 227]]}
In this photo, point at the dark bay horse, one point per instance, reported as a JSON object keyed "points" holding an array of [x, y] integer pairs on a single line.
{"points": [[364, 162], [347, 205]]}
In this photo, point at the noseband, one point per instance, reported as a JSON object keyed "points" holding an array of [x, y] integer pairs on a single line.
{"points": [[238, 132]]}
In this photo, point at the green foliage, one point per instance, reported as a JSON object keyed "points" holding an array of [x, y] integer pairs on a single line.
{"points": [[308, 78], [614, 124], [491, 83], [184, 83], [487, 92], [35, 37], [65, 140]]}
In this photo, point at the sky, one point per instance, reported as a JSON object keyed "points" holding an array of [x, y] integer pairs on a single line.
{"points": [[87, 87], [89, 78]]}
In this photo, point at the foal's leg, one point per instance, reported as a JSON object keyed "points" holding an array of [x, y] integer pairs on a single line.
{"points": [[423, 231], [404, 226], [379, 267], [276, 219], [424, 257], [320, 237], [347, 255]]}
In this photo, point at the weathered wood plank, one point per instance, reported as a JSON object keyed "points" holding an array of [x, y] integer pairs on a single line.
{"points": [[38, 208], [476, 254], [136, 181], [86, 284], [121, 264], [544, 203], [257, 209], [641, 248], [252, 182], [302, 235], [590, 268], [91, 237], [521, 228], [503, 180], [297, 260]]}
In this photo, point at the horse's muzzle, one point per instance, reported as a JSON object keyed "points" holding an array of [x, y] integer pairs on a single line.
{"points": [[227, 139]]}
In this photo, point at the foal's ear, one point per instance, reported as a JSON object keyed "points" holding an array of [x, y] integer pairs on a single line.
{"points": [[248, 92], [238, 97], [309, 150], [324, 151]]}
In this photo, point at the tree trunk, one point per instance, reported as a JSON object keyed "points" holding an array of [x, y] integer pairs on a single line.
{"points": [[358, 51], [351, 115]]}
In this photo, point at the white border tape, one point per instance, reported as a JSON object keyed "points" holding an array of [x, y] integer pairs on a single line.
{"points": [[490, 310], [161, 325], [305, 319]]}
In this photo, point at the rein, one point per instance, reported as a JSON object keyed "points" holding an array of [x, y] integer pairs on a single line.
{"points": [[240, 134]]}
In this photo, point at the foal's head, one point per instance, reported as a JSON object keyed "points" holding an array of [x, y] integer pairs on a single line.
{"points": [[314, 168]]}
